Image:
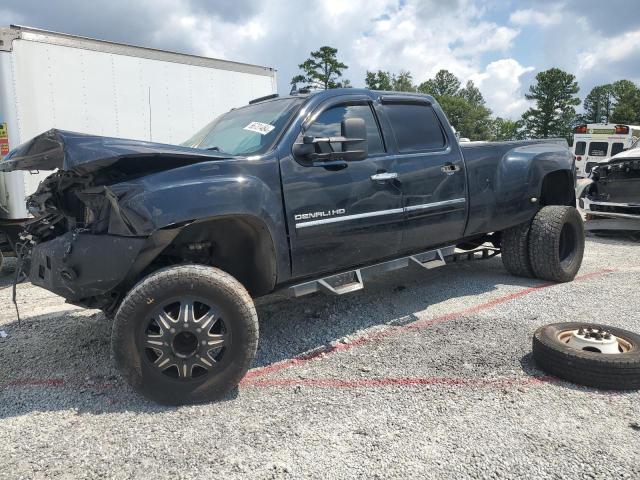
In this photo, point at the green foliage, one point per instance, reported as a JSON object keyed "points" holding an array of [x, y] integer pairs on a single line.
{"points": [[554, 93], [504, 129], [598, 105], [444, 83], [627, 102], [379, 80], [321, 70], [403, 82], [465, 107], [472, 94]]}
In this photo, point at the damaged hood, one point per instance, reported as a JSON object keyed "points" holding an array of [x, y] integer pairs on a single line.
{"points": [[631, 153], [82, 154]]}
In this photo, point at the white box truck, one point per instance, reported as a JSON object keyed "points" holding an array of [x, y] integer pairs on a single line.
{"points": [[55, 80]]}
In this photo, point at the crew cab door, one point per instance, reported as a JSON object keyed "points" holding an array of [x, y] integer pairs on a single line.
{"points": [[341, 213], [431, 172]]}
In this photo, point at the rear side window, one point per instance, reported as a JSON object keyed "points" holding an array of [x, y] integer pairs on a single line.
{"points": [[616, 148], [598, 149], [581, 147], [416, 127], [329, 124]]}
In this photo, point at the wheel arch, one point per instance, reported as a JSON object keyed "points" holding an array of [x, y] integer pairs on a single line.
{"points": [[240, 245], [557, 188]]}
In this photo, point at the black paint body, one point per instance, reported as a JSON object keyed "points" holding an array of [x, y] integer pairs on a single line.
{"points": [[490, 190]]}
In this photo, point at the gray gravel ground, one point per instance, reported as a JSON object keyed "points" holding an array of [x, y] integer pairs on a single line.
{"points": [[428, 375]]}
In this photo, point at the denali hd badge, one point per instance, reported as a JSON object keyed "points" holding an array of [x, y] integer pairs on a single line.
{"points": [[327, 213]]}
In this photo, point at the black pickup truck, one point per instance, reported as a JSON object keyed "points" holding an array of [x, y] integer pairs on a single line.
{"points": [[313, 192]]}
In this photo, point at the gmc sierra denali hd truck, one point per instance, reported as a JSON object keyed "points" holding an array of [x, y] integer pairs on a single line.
{"points": [[313, 192]]}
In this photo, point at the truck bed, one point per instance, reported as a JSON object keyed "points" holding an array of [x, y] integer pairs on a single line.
{"points": [[498, 174]]}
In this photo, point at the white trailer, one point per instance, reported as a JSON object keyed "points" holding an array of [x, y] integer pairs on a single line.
{"points": [[55, 80]]}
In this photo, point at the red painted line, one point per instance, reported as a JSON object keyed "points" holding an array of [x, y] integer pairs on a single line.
{"points": [[250, 378], [404, 382], [29, 382], [417, 325]]}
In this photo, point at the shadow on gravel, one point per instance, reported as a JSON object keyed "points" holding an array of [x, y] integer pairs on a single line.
{"points": [[290, 327], [61, 360], [614, 237]]}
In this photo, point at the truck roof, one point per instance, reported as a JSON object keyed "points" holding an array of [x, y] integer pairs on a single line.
{"points": [[15, 32], [334, 92]]}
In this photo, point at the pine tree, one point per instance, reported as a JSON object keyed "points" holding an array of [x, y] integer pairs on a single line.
{"points": [[554, 93], [321, 70]]}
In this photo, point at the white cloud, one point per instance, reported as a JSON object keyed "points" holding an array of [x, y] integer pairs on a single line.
{"points": [[501, 85], [534, 17], [612, 50], [420, 36]]}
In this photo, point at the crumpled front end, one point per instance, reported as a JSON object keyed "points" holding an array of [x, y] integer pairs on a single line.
{"points": [[81, 243], [615, 191], [88, 240]]}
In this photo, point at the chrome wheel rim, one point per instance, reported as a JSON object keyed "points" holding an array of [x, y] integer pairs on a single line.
{"points": [[594, 339], [185, 338]]}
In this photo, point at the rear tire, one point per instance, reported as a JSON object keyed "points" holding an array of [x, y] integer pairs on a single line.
{"points": [[556, 243], [515, 250], [185, 334]]}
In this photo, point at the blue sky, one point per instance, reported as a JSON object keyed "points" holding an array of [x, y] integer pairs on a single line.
{"points": [[500, 45]]}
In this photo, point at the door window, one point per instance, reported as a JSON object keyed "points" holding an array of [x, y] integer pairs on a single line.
{"points": [[616, 148], [329, 124], [416, 127], [581, 147]]}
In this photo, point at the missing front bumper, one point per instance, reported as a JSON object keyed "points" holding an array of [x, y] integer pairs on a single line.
{"points": [[78, 265]]}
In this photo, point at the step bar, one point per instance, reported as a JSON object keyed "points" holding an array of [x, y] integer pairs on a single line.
{"points": [[353, 280]]}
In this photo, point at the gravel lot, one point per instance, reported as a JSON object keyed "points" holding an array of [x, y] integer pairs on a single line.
{"points": [[422, 374]]}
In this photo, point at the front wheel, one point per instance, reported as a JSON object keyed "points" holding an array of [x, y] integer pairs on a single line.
{"points": [[185, 334]]}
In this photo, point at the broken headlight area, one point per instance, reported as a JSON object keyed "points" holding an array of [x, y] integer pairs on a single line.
{"points": [[80, 242], [67, 202]]}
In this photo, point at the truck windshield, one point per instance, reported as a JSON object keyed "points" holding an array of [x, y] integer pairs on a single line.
{"points": [[248, 130]]}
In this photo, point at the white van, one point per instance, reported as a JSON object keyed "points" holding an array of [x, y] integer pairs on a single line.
{"points": [[594, 143]]}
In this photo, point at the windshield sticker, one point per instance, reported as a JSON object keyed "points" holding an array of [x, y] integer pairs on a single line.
{"points": [[259, 127]]}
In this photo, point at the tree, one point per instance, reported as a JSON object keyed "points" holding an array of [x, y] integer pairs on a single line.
{"points": [[444, 83], [379, 80], [627, 102], [321, 70], [504, 129], [554, 93], [403, 82], [471, 94], [598, 105], [465, 107]]}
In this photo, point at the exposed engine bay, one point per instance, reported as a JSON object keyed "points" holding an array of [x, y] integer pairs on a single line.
{"points": [[615, 189]]}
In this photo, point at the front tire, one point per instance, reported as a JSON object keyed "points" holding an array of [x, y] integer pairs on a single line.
{"points": [[185, 334], [556, 243]]}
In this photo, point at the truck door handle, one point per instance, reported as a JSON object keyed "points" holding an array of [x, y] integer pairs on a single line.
{"points": [[449, 168], [384, 176]]}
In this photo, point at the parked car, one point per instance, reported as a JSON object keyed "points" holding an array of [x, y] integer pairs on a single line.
{"points": [[613, 189], [306, 193]]}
